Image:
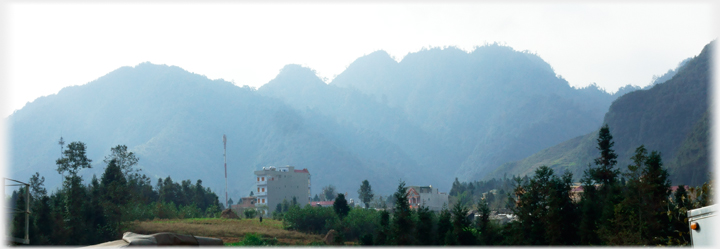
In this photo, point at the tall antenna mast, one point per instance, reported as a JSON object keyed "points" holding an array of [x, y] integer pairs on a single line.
{"points": [[225, 158], [61, 143]]}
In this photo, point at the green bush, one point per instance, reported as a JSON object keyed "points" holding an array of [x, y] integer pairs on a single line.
{"points": [[190, 211], [358, 222], [250, 213], [310, 219], [253, 239], [277, 216]]}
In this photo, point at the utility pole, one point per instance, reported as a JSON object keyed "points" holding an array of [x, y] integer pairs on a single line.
{"points": [[225, 159], [61, 143]]}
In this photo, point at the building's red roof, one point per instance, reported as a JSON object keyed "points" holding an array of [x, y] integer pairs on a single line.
{"points": [[322, 203], [302, 171]]}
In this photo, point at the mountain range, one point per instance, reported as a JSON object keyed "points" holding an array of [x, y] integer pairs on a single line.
{"points": [[435, 115], [671, 117]]}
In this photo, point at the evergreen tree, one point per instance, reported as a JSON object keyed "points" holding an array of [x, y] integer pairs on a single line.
{"points": [[444, 225], [402, 225], [365, 193], [461, 223], [483, 223], [316, 198], [200, 194], [457, 188], [628, 224], [424, 226], [40, 208], [95, 216], [113, 186], [383, 235], [562, 212], [285, 205], [278, 208], [341, 206], [74, 159], [545, 211], [598, 204], [18, 218], [656, 180], [328, 193]]}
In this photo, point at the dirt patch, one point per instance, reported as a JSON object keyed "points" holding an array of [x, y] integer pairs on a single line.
{"points": [[231, 229], [229, 214]]}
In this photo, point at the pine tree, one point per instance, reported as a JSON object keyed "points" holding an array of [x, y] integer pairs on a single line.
{"points": [[40, 208], [424, 226], [341, 206], [113, 186], [461, 223], [483, 223], [74, 159], [328, 193], [562, 213], [402, 226], [383, 234], [365, 193], [598, 205], [285, 205], [444, 225], [656, 180]]}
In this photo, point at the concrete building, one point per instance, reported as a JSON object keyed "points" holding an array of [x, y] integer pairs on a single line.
{"points": [[283, 183], [428, 196]]}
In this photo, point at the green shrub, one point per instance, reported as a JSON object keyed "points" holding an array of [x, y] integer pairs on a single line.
{"points": [[310, 219], [253, 239], [358, 222], [250, 213]]}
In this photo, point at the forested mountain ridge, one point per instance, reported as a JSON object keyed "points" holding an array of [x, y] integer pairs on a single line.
{"points": [[671, 117], [489, 106], [174, 120], [300, 88]]}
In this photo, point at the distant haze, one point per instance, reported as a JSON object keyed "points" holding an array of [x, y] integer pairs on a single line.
{"points": [[46, 47]]}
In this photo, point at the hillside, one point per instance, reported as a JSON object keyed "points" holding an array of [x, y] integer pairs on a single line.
{"points": [[670, 117], [486, 107], [174, 120], [435, 115]]}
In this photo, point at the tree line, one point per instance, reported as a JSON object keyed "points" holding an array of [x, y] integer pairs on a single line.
{"points": [[80, 214], [633, 206]]}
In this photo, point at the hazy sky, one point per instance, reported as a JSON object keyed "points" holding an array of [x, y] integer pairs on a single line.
{"points": [[51, 46]]}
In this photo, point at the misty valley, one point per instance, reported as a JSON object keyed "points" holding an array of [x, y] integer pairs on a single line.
{"points": [[445, 147]]}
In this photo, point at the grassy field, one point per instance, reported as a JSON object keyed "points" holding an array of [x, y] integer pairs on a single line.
{"points": [[229, 230]]}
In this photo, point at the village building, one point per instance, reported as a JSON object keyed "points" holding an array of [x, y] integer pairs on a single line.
{"points": [[283, 183], [322, 203], [427, 196], [245, 203]]}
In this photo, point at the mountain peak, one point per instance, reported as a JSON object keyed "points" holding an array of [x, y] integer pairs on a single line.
{"points": [[293, 77]]}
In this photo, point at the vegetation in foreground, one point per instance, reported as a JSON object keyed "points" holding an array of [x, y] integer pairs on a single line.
{"points": [[633, 206], [79, 214]]}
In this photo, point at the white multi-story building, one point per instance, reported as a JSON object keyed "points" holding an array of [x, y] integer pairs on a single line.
{"points": [[426, 196], [283, 183]]}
